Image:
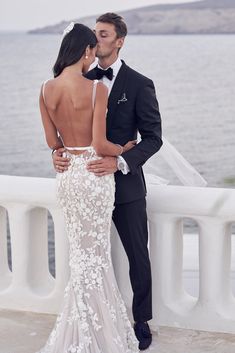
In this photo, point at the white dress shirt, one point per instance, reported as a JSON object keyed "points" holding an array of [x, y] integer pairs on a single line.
{"points": [[122, 164], [116, 67]]}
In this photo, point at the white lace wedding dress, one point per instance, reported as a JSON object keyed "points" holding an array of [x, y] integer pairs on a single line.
{"points": [[93, 317]]}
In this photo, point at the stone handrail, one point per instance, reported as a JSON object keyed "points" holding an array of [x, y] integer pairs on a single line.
{"points": [[31, 287]]}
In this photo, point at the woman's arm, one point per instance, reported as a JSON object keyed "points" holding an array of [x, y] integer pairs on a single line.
{"points": [[99, 140], [52, 138]]}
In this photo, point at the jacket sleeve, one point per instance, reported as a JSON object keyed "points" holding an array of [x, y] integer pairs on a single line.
{"points": [[148, 125]]}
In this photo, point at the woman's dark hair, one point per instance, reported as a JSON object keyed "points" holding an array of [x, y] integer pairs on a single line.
{"points": [[117, 21], [73, 47]]}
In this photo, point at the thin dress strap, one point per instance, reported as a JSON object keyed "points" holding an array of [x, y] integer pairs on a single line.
{"points": [[94, 93], [43, 90]]}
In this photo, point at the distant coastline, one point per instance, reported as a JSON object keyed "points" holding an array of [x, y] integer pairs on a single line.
{"points": [[200, 17]]}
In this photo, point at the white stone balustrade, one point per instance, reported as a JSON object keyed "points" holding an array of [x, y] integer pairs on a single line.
{"points": [[31, 287], [214, 211]]}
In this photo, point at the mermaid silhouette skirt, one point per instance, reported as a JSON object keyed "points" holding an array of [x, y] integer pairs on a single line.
{"points": [[93, 318]]}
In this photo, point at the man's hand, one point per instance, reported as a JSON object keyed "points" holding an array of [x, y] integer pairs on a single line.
{"points": [[129, 145], [61, 164], [104, 166]]}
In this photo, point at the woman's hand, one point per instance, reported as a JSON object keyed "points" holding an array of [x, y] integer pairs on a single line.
{"points": [[129, 145], [61, 164]]}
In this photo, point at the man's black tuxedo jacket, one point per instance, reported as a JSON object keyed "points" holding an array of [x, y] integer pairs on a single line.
{"points": [[139, 112]]}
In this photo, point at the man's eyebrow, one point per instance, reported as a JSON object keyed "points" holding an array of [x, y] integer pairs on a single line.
{"points": [[103, 31]]}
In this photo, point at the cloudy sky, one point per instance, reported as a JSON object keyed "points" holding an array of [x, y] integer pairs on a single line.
{"points": [[29, 14]]}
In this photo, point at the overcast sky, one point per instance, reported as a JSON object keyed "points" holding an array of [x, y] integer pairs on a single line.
{"points": [[29, 14]]}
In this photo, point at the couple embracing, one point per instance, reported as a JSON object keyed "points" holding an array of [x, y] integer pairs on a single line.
{"points": [[91, 120]]}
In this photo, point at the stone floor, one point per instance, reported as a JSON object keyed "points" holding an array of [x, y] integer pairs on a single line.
{"points": [[25, 332]]}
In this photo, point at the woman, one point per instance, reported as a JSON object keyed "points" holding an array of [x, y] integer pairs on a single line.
{"points": [[73, 110]]}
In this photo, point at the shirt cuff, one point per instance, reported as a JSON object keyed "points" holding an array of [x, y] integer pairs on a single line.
{"points": [[122, 165]]}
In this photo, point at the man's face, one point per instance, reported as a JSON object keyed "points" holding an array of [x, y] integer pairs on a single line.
{"points": [[108, 43]]}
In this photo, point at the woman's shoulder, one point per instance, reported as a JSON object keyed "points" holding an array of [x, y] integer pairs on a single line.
{"points": [[100, 86], [48, 87], [48, 82]]}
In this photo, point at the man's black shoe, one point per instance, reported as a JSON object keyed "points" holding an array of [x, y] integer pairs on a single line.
{"points": [[143, 335]]}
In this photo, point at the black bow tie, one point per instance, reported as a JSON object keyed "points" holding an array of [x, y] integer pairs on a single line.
{"points": [[100, 73]]}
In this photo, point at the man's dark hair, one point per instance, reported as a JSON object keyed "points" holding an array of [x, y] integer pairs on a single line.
{"points": [[116, 20], [73, 47]]}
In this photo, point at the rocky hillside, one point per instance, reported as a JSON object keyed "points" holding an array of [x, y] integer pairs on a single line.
{"points": [[201, 17]]}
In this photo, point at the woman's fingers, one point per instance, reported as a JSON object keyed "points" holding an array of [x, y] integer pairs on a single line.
{"points": [[64, 163]]}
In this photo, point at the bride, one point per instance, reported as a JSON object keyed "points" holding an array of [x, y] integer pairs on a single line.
{"points": [[93, 318]]}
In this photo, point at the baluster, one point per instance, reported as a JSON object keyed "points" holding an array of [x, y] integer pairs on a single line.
{"points": [[61, 251], [20, 238], [215, 264], [39, 277], [5, 273]]}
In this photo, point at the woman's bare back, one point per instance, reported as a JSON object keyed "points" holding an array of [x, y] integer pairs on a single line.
{"points": [[76, 108], [69, 101]]}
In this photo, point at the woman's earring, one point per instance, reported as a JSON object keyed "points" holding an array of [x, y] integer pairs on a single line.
{"points": [[86, 57]]}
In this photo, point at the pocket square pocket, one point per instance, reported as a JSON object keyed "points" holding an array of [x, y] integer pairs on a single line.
{"points": [[123, 99]]}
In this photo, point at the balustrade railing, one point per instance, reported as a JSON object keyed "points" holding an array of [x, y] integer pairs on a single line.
{"points": [[30, 286]]}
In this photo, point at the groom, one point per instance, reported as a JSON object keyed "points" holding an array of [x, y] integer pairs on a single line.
{"points": [[132, 107]]}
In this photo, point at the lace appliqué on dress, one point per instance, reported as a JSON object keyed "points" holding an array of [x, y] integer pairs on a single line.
{"points": [[93, 317]]}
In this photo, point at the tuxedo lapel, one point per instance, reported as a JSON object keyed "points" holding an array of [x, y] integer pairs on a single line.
{"points": [[116, 93]]}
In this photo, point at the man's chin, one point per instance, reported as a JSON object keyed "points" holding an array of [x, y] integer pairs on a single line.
{"points": [[99, 55]]}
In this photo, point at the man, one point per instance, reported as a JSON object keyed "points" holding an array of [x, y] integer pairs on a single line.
{"points": [[132, 107]]}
